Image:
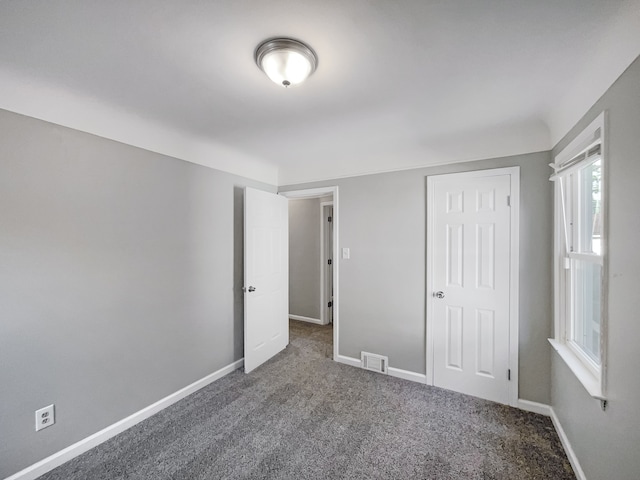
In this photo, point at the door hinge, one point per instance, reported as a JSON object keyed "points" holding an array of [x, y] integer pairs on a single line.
{"points": [[329, 219], [509, 374], [330, 304], [329, 261], [508, 200]]}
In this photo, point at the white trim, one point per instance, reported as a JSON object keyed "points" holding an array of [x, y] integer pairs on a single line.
{"points": [[354, 362], [320, 192], [514, 288], [589, 381], [43, 466], [560, 243], [588, 363], [391, 371], [306, 319], [514, 271], [556, 177], [587, 257], [309, 192], [525, 405], [535, 407], [407, 375], [591, 134], [429, 345], [323, 314], [571, 455], [323, 264]]}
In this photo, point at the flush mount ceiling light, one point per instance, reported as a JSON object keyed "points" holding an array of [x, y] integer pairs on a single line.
{"points": [[286, 61]]}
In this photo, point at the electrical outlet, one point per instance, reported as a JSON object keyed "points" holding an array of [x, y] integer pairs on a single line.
{"points": [[45, 417]]}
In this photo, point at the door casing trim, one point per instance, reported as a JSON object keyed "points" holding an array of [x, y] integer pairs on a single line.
{"points": [[324, 296]]}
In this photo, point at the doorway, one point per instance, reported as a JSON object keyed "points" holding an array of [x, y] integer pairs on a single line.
{"points": [[472, 283], [328, 293]]}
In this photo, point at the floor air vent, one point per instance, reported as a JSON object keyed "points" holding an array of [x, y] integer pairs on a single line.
{"points": [[376, 363]]}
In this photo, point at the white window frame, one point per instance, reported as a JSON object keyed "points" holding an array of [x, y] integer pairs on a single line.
{"points": [[588, 372]]}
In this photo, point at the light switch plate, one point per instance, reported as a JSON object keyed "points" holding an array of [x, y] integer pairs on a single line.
{"points": [[346, 253]]}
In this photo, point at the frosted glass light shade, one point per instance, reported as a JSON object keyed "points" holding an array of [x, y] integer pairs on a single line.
{"points": [[286, 62]]}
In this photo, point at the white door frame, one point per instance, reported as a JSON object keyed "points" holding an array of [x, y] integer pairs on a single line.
{"points": [[514, 173], [319, 192], [323, 264]]}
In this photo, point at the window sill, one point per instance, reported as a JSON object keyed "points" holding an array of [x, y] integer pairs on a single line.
{"points": [[590, 382]]}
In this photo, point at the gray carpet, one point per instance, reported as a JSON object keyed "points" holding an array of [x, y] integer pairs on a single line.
{"points": [[303, 416]]}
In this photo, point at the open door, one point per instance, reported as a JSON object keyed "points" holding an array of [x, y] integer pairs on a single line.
{"points": [[266, 276]]}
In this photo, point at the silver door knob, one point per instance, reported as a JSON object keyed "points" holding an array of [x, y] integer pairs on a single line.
{"points": [[252, 289], [438, 294]]}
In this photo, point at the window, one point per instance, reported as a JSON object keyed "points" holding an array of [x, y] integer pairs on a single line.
{"points": [[580, 252]]}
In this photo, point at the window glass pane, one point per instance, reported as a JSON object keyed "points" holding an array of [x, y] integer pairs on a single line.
{"points": [[590, 229], [586, 307]]}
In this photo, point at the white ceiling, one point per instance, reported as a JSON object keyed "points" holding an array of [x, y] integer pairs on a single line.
{"points": [[400, 84]]}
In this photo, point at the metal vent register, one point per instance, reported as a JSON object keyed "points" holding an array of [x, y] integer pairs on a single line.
{"points": [[376, 363]]}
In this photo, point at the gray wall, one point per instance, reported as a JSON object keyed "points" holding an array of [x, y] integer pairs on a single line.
{"points": [[304, 257], [120, 281], [382, 219], [607, 443]]}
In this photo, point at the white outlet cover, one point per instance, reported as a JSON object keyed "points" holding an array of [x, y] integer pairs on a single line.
{"points": [[346, 253], [45, 417]]}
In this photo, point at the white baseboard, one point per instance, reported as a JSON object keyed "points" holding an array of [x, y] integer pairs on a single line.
{"points": [[317, 321], [527, 405], [72, 451], [534, 407], [407, 375], [571, 455], [393, 372], [354, 362]]}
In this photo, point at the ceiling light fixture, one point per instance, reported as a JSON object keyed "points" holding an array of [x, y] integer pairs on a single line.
{"points": [[286, 61]]}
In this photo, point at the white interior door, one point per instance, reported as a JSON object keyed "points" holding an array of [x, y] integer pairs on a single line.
{"points": [[266, 276], [470, 286]]}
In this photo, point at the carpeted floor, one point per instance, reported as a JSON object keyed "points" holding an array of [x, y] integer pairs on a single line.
{"points": [[303, 416]]}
